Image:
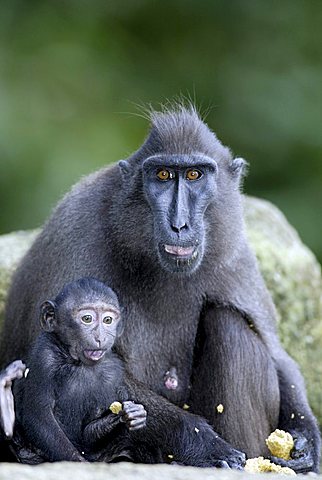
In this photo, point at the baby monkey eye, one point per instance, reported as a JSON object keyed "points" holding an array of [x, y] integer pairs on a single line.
{"points": [[87, 319], [164, 174], [108, 320], [193, 174]]}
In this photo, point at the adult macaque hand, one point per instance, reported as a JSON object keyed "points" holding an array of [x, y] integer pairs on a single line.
{"points": [[302, 455], [13, 371]]}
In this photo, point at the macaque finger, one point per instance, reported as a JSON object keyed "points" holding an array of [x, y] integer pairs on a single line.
{"points": [[137, 424], [7, 413]]}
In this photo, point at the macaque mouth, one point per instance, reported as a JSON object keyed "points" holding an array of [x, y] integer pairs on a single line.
{"points": [[178, 258], [94, 355], [181, 252]]}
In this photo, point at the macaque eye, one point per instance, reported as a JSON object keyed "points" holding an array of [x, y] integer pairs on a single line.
{"points": [[164, 175], [193, 174], [87, 319], [108, 320]]}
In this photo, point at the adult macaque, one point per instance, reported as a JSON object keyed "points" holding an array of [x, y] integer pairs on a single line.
{"points": [[63, 406], [165, 229]]}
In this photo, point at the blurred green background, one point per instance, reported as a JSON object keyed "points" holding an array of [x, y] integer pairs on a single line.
{"points": [[72, 72]]}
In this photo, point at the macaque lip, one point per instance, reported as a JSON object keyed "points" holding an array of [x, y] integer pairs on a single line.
{"points": [[178, 251], [94, 355], [176, 258]]}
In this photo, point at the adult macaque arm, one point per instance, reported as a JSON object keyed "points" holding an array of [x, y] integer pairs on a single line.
{"points": [[186, 438]]}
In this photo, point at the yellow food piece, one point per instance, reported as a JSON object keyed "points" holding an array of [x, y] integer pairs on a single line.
{"points": [[263, 465], [115, 407], [186, 406], [280, 444], [220, 408]]}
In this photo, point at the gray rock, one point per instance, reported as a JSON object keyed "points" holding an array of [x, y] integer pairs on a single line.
{"points": [[12, 248], [291, 271], [293, 276], [119, 471]]}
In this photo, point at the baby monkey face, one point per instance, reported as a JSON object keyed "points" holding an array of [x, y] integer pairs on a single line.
{"points": [[95, 327]]}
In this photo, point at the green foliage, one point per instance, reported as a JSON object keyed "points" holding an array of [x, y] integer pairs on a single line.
{"points": [[72, 69]]}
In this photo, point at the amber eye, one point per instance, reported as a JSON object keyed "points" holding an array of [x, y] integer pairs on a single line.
{"points": [[108, 320], [87, 319], [193, 174], [164, 174]]}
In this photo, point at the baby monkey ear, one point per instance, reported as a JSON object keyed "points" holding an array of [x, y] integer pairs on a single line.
{"points": [[48, 316], [120, 328], [238, 167]]}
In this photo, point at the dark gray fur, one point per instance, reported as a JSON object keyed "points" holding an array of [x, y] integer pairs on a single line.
{"points": [[104, 228]]}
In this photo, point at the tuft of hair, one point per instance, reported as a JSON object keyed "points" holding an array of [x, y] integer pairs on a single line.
{"points": [[86, 290], [178, 128]]}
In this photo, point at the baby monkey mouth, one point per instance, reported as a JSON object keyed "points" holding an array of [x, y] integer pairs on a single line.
{"points": [[94, 355]]}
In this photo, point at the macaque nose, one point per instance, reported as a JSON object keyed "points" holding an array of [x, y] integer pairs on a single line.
{"points": [[179, 226]]}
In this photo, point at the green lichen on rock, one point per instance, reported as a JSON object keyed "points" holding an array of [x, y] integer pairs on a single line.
{"points": [[293, 276], [291, 272]]}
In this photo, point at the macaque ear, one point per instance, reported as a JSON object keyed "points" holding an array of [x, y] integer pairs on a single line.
{"points": [[238, 167], [47, 316], [126, 170]]}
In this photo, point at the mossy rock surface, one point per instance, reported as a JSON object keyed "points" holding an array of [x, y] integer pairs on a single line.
{"points": [[293, 276], [291, 271], [12, 248]]}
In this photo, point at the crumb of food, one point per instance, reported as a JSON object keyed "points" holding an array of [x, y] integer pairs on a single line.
{"points": [[170, 456], [197, 430], [115, 407], [263, 465], [186, 406], [220, 408], [280, 444], [26, 372]]}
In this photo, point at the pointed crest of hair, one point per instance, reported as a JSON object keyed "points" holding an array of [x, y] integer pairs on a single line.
{"points": [[178, 128]]}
